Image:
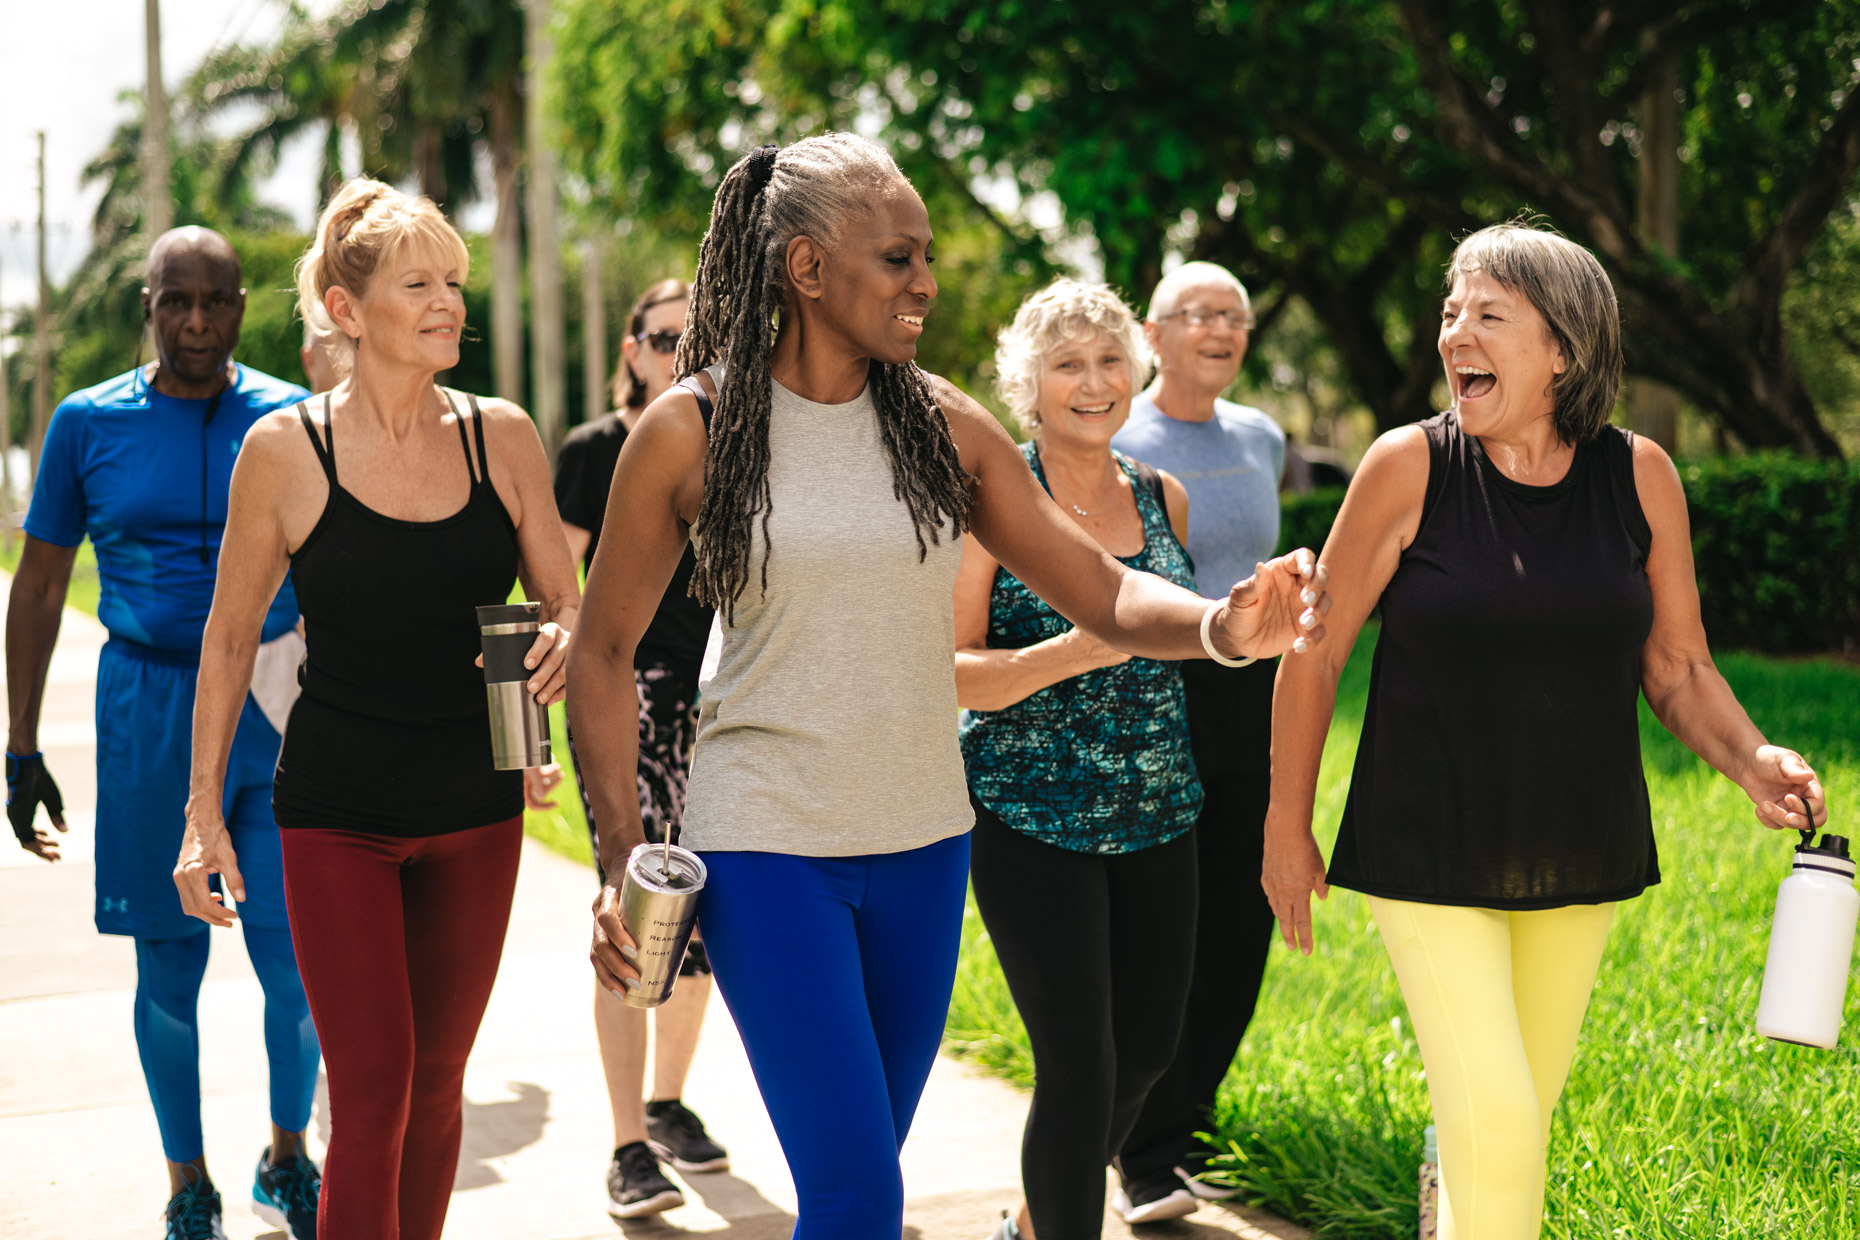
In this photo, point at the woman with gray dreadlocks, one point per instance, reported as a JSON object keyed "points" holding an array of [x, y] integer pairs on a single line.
{"points": [[826, 496]]}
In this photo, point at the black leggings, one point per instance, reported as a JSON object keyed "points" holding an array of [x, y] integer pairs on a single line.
{"points": [[1098, 951]]}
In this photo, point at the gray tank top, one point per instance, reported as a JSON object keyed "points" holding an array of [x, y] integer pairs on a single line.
{"points": [[828, 725]]}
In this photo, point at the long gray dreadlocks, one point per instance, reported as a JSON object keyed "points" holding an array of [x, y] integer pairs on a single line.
{"points": [[770, 197]]}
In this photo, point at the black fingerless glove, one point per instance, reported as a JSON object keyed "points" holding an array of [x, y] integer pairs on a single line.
{"points": [[28, 784]]}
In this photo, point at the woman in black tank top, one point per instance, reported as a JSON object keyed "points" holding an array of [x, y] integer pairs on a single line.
{"points": [[1534, 570], [398, 508]]}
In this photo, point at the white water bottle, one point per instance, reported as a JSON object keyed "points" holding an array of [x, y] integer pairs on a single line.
{"points": [[1811, 946]]}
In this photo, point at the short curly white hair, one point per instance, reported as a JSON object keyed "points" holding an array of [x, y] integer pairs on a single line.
{"points": [[1064, 310]]}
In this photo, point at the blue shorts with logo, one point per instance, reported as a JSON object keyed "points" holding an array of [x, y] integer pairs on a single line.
{"points": [[145, 723]]}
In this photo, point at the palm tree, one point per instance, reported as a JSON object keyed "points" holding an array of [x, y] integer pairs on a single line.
{"points": [[425, 85]]}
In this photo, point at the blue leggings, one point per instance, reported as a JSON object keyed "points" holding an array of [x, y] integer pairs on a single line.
{"points": [[837, 971], [168, 975]]}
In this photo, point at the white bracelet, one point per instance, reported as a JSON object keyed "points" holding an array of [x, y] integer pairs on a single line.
{"points": [[1207, 643]]}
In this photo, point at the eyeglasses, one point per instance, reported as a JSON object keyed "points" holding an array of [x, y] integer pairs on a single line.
{"points": [[660, 341], [1237, 320]]}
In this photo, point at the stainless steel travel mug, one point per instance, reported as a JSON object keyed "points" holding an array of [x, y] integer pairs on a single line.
{"points": [[519, 723], [658, 904]]}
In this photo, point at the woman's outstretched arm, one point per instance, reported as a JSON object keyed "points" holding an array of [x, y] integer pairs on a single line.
{"points": [[1379, 518], [1683, 685], [1280, 608]]}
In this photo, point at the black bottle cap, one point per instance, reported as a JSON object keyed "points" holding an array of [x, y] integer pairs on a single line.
{"points": [[509, 613], [1830, 846]]}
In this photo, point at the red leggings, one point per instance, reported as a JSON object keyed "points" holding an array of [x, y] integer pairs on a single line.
{"points": [[398, 942]]}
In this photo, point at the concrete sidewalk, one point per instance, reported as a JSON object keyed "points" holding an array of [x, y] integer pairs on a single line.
{"points": [[78, 1139]]}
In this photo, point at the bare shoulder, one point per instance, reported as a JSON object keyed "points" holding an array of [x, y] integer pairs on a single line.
{"points": [[1655, 474], [1397, 455], [502, 417], [671, 425], [277, 444], [977, 433]]}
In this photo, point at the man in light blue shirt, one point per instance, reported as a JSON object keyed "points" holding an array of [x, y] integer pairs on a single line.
{"points": [[1229, 457]]}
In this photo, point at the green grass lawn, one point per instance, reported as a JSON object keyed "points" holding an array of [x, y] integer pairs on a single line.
{"points": [[84, 586], [1679, 1121]]}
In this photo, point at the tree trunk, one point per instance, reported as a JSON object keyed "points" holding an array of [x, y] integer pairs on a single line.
{"points": [[1739, 368], [430, 165], [506, 247], [549, 397], [1654, 406], [594, 400]]}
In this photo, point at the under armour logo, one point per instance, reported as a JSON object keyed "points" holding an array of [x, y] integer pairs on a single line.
{"points": [[119, 905]]}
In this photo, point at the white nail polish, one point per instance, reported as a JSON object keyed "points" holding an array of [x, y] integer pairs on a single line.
{"points": [[632, 983], [629, 951], [1300, 646]]}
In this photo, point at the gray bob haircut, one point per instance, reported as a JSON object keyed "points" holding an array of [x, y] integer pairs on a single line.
{"points": [[1064, 310], [1572, 292]]}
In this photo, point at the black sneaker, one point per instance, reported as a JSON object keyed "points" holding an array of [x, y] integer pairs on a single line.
{"points": [[677, 1135], [194, 1213], [285, 1194], [1154, 1198], [635, 1185]]}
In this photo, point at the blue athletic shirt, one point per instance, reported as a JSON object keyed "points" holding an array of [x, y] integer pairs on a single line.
{"points": [[123, 463], [1230, 467]]}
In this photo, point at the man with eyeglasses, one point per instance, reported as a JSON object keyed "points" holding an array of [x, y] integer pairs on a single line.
{"points": [[141, 464], [1230, 458]]}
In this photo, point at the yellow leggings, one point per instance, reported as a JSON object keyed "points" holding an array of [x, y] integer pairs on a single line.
{"points": [[1497, 1000]]}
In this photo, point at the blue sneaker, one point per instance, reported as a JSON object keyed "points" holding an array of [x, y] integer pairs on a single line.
{"points": [[194, 1213], [285, 1194]]}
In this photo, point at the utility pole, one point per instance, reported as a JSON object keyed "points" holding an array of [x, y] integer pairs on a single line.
{"points": [[548, 394], [157, 192], [6, 435], [1653, 407], [594, 401], [41, 341]]}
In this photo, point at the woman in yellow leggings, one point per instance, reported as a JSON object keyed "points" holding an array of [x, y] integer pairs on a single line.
{"points": [[1534, 570]]}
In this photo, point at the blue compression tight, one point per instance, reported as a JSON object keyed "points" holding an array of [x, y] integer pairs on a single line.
{"points": [[168, 976], [837, 971]]}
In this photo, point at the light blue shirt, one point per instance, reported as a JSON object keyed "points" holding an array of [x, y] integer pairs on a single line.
{"points": [[1230, 467]]}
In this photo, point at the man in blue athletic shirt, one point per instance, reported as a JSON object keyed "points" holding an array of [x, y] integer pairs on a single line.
{"points": [[141, 464], [1229, 457]]}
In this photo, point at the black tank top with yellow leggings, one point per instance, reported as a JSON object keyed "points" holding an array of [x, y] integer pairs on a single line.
{"points": [[1499, 765], [391, 735]]}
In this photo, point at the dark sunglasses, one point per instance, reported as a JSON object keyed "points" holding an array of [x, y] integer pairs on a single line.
{"points": [[660, 341]]}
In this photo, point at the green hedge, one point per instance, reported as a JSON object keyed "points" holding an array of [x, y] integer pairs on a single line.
{"points": [[1776, 540]]}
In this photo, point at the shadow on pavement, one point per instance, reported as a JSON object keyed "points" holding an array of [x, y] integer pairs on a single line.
{"points": [[493, 1129]]}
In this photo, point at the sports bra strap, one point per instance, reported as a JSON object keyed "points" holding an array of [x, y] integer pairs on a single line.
{"points": [[477, 430], [465, 443], [326, 456]]}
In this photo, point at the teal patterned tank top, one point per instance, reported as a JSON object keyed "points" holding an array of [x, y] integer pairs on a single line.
{"points": [[1098, 763]]}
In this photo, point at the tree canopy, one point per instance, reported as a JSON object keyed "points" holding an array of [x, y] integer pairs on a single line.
{"points": [[1328, 151]]}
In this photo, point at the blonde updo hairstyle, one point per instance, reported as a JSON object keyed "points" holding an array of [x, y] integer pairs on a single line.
{"points": [[366, 226], [1063, 311]]}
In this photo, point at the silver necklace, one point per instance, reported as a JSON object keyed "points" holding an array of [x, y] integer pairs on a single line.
{"points": [[1051, 490]]}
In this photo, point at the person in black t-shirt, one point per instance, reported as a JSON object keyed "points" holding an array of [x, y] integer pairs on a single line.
{"points": [[666, 673]]}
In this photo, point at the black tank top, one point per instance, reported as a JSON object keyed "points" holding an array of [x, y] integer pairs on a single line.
{"points": [[392, 733], [1499, 765]]}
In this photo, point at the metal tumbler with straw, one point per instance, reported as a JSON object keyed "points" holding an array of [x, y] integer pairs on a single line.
{"points": [[658, 904]]}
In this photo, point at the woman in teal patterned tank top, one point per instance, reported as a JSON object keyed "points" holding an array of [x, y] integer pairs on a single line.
{"points": [[1078, 763]]}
